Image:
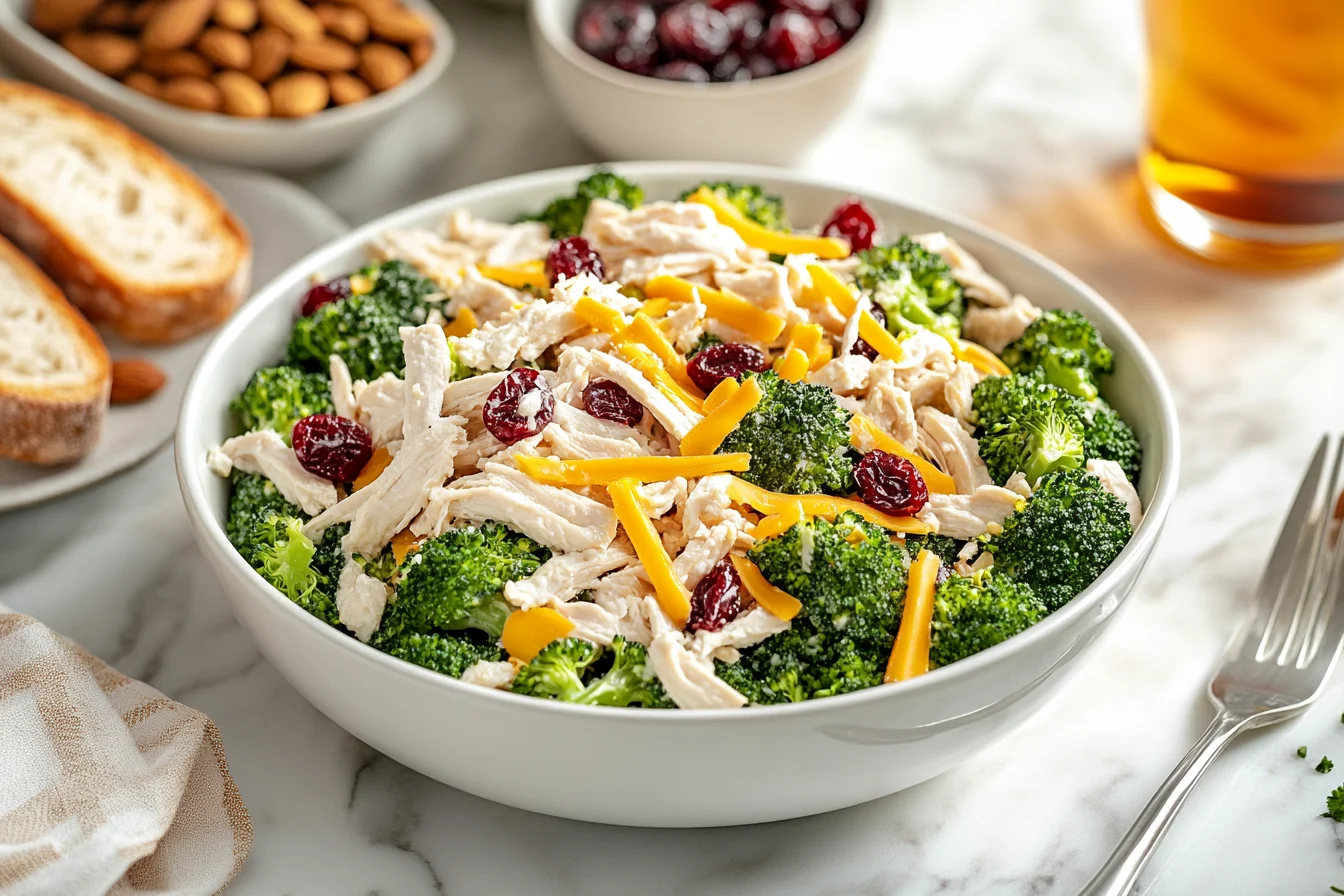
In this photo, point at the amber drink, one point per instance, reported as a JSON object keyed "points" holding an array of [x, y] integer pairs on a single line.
{"points": [[1244, 156]]}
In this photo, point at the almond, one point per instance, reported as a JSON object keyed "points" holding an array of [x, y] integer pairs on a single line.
{"points": [[347, 89], [111, 54], [142, 83], [299, 94], [344, 22], [225, 48], [326, 54], [54, 16], [242, 96], [141, 12], [270, 52], [113, 16], [176, 24], [291, 17], [396, 24], [240, 15], [383, 66], [421, 50], [192, 93], [135, 379], [175, 64]]}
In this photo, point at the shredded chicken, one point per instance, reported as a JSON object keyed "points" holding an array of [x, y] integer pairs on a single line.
{"points": [[264, 452], [428, 368], [970, 515], [342, 389], [845, 375], [943, 441], [682, 239], [675, 416], [684, 325], [958, 392], [689, 679], [751, 627], [498, 244], [565, 576], [591, 622], [497, 675], [995, 327], [438, 259], [360, 601], [765, 285], [975, 282], [487, 299], [1114, 480], [381, 407]]}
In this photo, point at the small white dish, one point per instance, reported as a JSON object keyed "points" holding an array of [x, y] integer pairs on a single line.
{"points": [[770, 121], [671, 768], [276, 143], [285, 221]]}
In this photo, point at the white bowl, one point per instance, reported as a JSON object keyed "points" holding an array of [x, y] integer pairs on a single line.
{"points": [[678, 767], [276, 143], [769, 121]]}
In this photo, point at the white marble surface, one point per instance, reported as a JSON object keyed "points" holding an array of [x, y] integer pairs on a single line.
{"points": [[1023, 115]]}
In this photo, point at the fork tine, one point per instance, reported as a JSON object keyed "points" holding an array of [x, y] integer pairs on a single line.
{"points": [[1327, 633], [1302, 627], [1285, 572]]}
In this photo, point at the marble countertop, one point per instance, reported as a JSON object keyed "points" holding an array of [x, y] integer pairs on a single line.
{"points": [[1020, 115]]}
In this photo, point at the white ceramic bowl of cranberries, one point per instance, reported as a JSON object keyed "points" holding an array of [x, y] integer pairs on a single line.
{"points": [[770, 119], [675, 767]]}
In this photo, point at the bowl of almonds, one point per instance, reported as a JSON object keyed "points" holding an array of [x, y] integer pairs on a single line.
{"points": [[279, 84]]}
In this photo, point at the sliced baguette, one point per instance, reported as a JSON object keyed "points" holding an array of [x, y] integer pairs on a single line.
{"points": [[132, 237], [54, 370]]}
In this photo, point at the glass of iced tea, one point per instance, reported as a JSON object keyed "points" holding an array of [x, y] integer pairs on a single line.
{"points": [[1244, 156]]}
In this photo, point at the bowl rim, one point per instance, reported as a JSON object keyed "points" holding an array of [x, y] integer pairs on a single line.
{"points": [[1130, 560], [852, 52], [121, 98]]}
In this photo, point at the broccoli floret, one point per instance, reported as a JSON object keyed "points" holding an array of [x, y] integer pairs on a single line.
{"points": [[777, 669], [1064, 349], [798, 438], [455, 581], [705, 340], [1068, 533], [1043, 439], [1334, 804], [284, 557], [971, 614], [330, 557], [278, 397], [565, 214], [629, 681], [946, 548], [751, 200], [557, 671], [848, 667], [254, 500], [914, 287], [446, 654], [1107, 436], [364, 329], [849, 575]]}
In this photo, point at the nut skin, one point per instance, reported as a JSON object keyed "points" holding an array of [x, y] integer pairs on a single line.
{"points": [[291, 17], [421, 51], [383, 66], [347, 89], [238, 15], [270, 51], [299, 94], [56, 16], [175, 64], [326, 54], [134, 380], [225, 48], [242, 96], [113, 16], [176, 24], [397, 25], [192, 93], [344, 22], [111, 54], [144, 83]]}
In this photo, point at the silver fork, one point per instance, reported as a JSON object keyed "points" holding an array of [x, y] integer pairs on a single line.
{"points": [[1275, 665]]}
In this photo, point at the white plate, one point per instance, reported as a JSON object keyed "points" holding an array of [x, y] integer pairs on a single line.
{"points": [[286, 223]]}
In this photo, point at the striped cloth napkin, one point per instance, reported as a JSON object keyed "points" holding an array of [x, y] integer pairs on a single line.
{"points": [[106, 785]]}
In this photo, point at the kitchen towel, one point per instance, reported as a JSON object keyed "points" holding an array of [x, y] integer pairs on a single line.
{"points": [[106, 785]]}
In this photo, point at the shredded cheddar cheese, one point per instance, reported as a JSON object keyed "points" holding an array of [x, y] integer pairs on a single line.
{"points": [[910, 653], [778, 602], [864, 431], [462, 324], [979, 357], [722, 305], [644, 331], [721, 393], [669, 591], [527, 632], [606, 470], [775, 242], [519, 276], [599, 316], [706, 436], [377, 463], [646, 363], [777, 524], [824, 506]]}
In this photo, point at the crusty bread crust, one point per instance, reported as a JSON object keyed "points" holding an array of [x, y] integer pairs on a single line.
{"points": [[52, 425], [138, 312]]}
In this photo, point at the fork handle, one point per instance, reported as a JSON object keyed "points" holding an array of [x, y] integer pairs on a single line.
{"points": [[1122, 869]]}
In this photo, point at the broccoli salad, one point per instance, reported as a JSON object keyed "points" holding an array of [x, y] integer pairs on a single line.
{"points": [[677, 454]]}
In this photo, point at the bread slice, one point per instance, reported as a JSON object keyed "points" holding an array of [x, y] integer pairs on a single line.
{"points": [[132, 237], [54, 370]]}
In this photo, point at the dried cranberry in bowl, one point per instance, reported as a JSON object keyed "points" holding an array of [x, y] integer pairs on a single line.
{"points": [[521, 406], [332, 447]]}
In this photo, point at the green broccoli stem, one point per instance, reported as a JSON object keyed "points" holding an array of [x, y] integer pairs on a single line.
{"points": [[489, 616]]}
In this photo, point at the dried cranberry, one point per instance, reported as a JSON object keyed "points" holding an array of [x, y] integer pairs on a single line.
{"points": [[325, 294], [852, 221], [729, 68], [861, 346], [746, 22], [682, 70], [519, 407], [848, 15], [761, 66], [891, 484], [714, 364], [332, 447], [791, 40], [571, 257], [619, 32], [829, 39], [717, 598], [811, 7], [692, 30], [608, 400]]}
